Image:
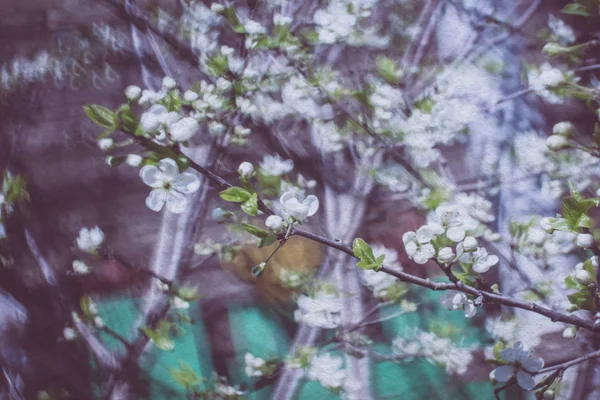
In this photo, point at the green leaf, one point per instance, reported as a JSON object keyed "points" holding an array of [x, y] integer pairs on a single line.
{"points": [[86, 307], [576, 9], [267, 240], [583, 300], [101, 116], [235, 194], [425, 105], [250, 206], [364, 253], [255, 231], [497, 347], [185, 376], [388, 69]]}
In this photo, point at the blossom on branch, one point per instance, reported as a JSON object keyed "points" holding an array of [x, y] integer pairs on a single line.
{"points": [[169, 186]]}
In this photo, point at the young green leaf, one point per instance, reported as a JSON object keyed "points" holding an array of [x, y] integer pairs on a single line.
{"points": [[100, 115], [365, 255], [267, 240], [250, 206], [255, 231], [235, 194]]}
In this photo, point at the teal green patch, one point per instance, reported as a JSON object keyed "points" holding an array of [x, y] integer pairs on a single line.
{"points": [[191, 346]]}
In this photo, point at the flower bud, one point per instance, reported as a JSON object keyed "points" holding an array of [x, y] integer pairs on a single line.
{"points": [[563, 128], [190, 95], [557, 142], [552, 77], [582, 276], [446, 255], [570, 332], [134, 160], [546, 224], [274, 222], [584, 240], [80, 267], [216, 7], [258, 270], [132, 92], [469, 244], [168, 82], [221, 215], [106, 144], [99, 322], [246, 170], [69, 334]]}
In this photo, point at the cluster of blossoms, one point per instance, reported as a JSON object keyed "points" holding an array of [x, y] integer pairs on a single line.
{"points": [[322, 310], [452, 222], [90, 240], [327, 370], [436, 350], [546, 79], [254, 365], [520, 363], [339, 23], [537, 155], [534, 238]]}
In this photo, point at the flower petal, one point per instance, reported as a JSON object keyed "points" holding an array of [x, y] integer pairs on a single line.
{"points": [[313, 204], [470, 309], [149, 175], [176, 202], [456, 234], [533, 364], [525, 380], [156, 199], [186, 183], [286, 197], [169, 168], [504, 373]]}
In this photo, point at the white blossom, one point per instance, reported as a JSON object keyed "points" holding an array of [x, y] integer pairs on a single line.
{"points": [[79, 267], [99, 322], [132, 92], [480, 259], [569, 332], [190, 95], [179, 304], [106, 144], [584, 240], [379, 282], [557, 142], [254, 365], [169, 186], [168, 82], [227, 391], [328, 370], [563, 128], [321, 311], [417, 244], [279, 19], [297, 209], [134, 160], [563, 32], [216, 7], [274, 222], [156, 117], [454, 300], [582, 276], [90, 240], [445, 255], [69, 333], [523, 365], [469, 244], [246, 170], [184, 129]]}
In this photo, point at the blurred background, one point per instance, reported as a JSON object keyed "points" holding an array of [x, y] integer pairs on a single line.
{"points": [[58, 55]]}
